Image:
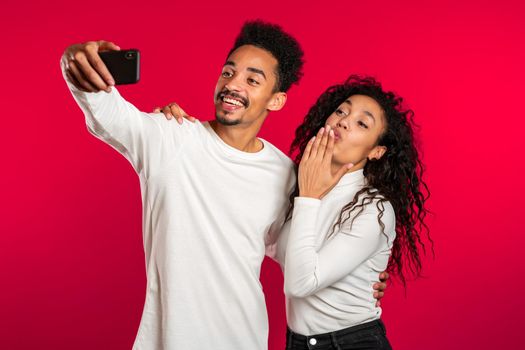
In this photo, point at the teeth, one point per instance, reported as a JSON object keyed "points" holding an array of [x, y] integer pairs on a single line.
{"points": [[232, 101]]}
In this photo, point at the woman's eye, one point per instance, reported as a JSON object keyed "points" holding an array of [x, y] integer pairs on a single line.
{"points": [[363, 125], [339, 112]]}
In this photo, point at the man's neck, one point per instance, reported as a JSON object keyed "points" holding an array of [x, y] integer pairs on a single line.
{"points": [[243, 138]]}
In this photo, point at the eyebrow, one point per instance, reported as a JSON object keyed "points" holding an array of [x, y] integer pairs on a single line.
{"points": [[367, 113], [257, 71], [250, 69]]}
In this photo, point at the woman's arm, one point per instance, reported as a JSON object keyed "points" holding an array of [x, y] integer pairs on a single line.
{"points": [[308, 270]]}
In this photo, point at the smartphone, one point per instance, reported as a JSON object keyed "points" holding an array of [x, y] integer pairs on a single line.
{"points": [[124, 65]]}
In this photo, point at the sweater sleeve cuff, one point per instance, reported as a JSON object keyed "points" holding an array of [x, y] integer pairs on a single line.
{"points": [[307, 201]]}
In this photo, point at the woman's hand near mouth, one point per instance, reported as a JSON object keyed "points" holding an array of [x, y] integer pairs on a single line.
{"points": [[315, 171]]}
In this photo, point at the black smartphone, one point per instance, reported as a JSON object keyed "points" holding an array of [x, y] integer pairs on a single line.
{"points": [[124, 65]]}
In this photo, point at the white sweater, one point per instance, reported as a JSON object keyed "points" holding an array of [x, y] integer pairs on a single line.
{"points": [[328, 282], [208, 209]]}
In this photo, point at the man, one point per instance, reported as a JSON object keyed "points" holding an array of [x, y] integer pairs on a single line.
{"points": [[213, 193]]}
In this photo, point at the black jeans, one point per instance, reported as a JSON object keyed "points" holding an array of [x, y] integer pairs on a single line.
{"points": [[370, 335]]}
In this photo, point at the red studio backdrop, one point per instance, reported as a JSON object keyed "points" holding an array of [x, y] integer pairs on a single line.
{"points": [[71, 258]]}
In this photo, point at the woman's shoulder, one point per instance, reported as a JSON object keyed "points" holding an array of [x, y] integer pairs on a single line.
{"points": [[371, 198], [370, 204]]}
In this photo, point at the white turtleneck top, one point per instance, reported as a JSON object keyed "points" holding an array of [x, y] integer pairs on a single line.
{"points": [[328, 280]]}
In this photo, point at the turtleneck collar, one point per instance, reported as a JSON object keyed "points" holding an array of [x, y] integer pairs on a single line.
{"points": [[353, 178]]}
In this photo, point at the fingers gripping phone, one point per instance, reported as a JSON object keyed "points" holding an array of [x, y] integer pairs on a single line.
{"points": [[124, 65]]}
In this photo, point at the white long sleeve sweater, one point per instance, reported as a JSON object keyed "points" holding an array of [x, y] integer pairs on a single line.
{"points": [[208, 209], [328, 281]]}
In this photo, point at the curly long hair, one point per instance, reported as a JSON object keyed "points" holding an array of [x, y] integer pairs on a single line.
{"points": [[396, 177]]}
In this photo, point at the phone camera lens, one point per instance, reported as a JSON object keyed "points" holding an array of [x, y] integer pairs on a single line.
{"points": [[130, 55]]}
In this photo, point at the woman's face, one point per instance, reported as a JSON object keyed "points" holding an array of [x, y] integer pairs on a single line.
{"points": [[357, 123]]}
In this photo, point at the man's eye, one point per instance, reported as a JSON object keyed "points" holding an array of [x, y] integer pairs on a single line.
{"points": [[253, 81], [227, 74], [363, 125]]}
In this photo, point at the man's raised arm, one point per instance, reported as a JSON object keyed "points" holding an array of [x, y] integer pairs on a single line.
{"points": [[109, 116]]}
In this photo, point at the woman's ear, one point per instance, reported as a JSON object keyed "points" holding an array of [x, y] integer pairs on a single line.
{"points": [[277, 102], [377, 152]]}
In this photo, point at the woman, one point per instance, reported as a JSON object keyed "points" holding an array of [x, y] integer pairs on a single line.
{"points": [[358, 205]]}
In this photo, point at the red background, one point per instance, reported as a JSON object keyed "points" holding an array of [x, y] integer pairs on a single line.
{"points": [[71, 257]]}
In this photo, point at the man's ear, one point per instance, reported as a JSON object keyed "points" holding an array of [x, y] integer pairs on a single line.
{"points": [[377, 152], [277, 102]]}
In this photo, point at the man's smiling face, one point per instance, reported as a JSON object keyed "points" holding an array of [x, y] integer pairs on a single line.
{"points": [[246, 86]]}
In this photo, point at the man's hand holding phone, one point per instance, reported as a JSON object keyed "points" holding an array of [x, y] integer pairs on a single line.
{"points": [[84, 67]]}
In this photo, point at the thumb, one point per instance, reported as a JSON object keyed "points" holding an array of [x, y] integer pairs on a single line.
{"points": [[107, 45], [384, 276]]}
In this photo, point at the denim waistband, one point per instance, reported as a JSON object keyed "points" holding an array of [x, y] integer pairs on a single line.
{"points": [[331, 337]]}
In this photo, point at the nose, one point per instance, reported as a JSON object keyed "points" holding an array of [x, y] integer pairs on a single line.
{"points": [[234, 83], [342, 123]]}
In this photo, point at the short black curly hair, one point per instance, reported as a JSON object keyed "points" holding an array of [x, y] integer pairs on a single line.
{"points": [[281, 45]]}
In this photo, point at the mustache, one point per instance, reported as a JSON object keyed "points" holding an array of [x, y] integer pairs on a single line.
{"points": [[235, 95]]}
